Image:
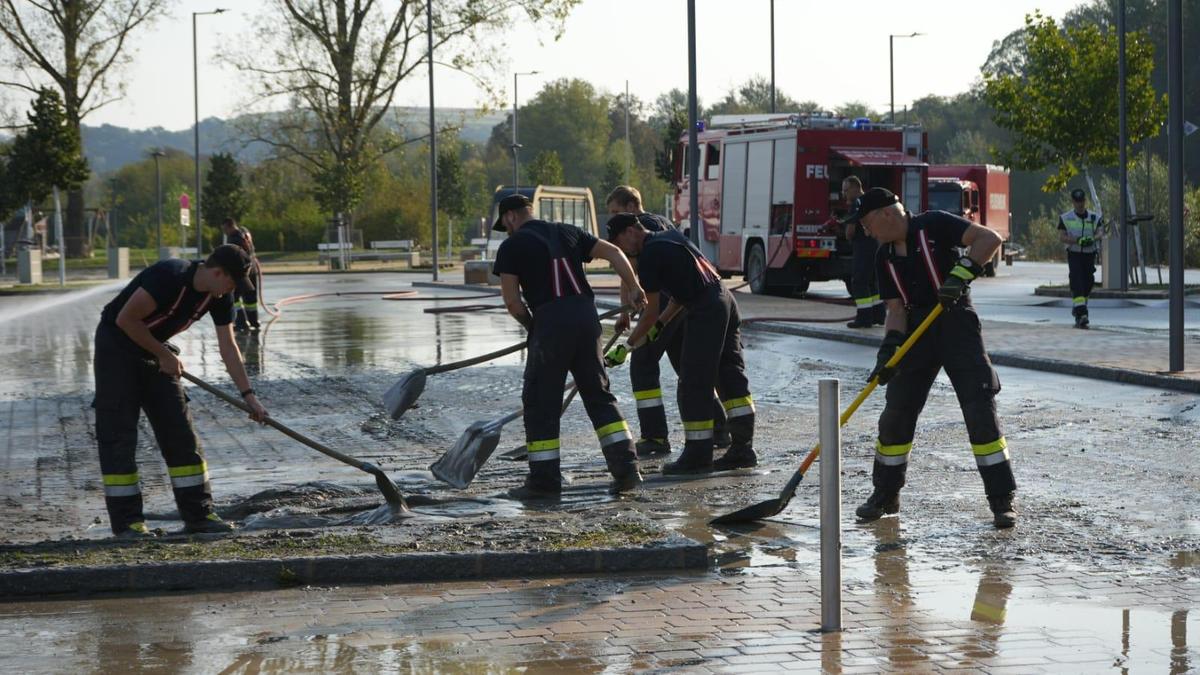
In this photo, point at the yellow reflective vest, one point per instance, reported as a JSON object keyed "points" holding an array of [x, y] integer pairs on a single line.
{"points": [[1081, 226]]}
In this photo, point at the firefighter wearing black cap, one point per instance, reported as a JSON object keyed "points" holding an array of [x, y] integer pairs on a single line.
{"points": [[918, 268], [711, 356], [245, 306], [136, 370], [869, 308], [1080, 230], [644, 362], [543, 262]]}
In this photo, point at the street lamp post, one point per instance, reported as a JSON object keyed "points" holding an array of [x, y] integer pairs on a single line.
{"points": [[892, 74], [158, 197], [433, 177], [516, 147], [196, 131], [772, 57]]}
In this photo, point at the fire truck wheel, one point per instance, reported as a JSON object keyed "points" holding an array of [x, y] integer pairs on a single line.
{"points": [[756, 269]]}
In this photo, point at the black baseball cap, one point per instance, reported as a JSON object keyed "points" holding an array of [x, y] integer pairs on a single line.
{"points": [[1077, 195], [510, 203], [619, 222], [875, 198], [236, 263]]}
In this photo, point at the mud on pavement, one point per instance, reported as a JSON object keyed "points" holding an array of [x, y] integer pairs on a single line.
{"points": [[1102, 486]]}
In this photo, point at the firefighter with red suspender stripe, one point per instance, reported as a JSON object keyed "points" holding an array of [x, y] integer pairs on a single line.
{"points": [[643, 363], [136, 370], [919, 267], [544, 288], [711, 356]]}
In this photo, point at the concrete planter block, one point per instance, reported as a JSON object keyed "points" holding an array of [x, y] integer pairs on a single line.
{"points": [[29, 266], [118, 263]]}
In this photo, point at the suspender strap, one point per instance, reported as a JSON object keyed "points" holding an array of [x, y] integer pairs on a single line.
{"points": [[563, 280], [925, 252]]}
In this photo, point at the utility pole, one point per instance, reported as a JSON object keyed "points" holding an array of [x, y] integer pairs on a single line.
{"points": [[892, 74], [516, 147], [158, 197], [1175, 176], [196, 132], [693, 152], [433, 200], [628, 146], [773, 56], [1123, 141]]}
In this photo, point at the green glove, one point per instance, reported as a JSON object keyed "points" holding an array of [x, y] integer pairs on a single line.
{"points": [[616, 356], [956, 283], [1086, 241], [891, 342], [655, 332]]}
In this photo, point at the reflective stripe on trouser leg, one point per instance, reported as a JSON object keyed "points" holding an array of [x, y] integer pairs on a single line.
{"points": [[869, 301], [1079, 300], [612, 433], [644, 371], [699, 430], [995, 468], [738, 407], [542, 450], [191, 475], [121, 485], [118, 392], [650, 398], [892, 455]]}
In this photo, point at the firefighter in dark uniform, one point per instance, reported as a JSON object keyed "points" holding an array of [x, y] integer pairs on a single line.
{"points": [[918, 268], [543, 262], [1080, 230], [869, 308], [246, 306], [644, 362], [136, 370], [711, 355]]}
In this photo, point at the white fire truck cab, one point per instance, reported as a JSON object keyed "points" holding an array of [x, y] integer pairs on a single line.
{"points": [[770, 184]]}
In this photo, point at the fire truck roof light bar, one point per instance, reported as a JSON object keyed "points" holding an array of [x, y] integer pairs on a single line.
{"points": [[822, 121]]}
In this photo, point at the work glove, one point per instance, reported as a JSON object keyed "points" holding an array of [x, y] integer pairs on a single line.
{"points": [[616, 356], [891, 342], [655, 332], [1086, 241], [961, 276]]}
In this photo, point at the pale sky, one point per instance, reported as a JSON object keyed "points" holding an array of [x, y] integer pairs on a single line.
{"points": [[830, 52]]}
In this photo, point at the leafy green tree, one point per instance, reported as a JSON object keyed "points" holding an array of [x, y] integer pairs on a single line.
{"points": [[452, 181], [224, 194], [1060, 109], [48, 153], [545, 169], [753, 96], [671, 119], [856, 109]]}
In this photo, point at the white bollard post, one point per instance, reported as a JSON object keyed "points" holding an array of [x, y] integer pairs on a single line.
{"points": [[829, 403]]}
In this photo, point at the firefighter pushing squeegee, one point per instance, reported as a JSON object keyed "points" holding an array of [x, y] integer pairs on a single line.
{"points": [[918, 268]]}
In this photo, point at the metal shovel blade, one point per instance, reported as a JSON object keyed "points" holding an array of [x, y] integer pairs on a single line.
{"points": [[461, 462], [517, 454], [391, 492], [402, 395], [761, 510]]}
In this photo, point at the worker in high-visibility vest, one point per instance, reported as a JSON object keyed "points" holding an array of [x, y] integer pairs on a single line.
{"points": [[1080, 230]]}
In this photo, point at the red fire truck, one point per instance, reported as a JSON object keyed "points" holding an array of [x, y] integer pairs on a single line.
{"points": [[768, 185], [978, 192]]}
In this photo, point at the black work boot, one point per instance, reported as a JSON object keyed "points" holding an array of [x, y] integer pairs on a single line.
{"points": [[653, 447], [739, 456], [722, 439], [878, 505], [543, 482], [693, 459], [136, 530], [626, 482], [211, 524], [879, 313], [1004, 514], [865, 318]]}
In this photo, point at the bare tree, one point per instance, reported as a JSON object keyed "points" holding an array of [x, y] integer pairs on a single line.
{"points": [[79, 45], [338, 63]]}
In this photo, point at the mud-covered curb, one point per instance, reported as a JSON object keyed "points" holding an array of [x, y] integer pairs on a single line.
{"points": [[1056, 291], [673, 553]]}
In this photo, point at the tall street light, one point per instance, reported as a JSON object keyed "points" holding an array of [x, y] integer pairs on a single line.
{"points": [[433, 177], [158, 196], [892, 73], [196, 131], [772, 57], [516, 147]]}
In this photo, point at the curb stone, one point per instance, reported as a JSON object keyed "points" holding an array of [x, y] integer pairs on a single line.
{"points": [[674, 553]]}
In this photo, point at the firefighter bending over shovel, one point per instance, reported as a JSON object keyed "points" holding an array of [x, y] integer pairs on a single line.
{"points": [[544, 263]]}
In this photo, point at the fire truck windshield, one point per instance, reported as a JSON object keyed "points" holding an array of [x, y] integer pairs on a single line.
{"points": [[945, 198]]}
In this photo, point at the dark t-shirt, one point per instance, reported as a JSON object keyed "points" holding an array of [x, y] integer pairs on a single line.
{"points": [[177, 304], [944, 232], [654, 222], [524, 255], [241, 237], [668, 262]]}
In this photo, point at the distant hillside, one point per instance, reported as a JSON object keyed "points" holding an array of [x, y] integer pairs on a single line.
{"points": [[110, 147]]}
